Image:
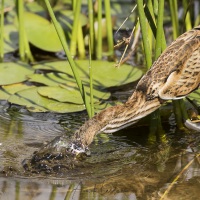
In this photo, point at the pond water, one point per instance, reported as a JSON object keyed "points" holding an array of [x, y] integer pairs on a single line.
{"points": [[131, 164]]}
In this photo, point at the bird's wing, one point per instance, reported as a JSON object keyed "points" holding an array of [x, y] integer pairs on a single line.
{"points": [[186, 78]]}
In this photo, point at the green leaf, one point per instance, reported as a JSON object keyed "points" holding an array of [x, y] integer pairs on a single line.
{"points": [[195, 96], [7, 90], [36, 103], [66, 17], [105, 74], [41, 33], [10, 38], [3, 94], [71, 95], [52, 79], [64, 107], [14, 72]]}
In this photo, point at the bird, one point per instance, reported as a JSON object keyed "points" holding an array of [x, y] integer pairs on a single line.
{"points": [[174, 75]]}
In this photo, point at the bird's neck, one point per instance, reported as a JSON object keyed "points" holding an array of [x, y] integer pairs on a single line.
{"points": [[117, 117]]}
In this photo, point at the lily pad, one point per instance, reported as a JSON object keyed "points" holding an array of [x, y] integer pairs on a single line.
{"points": [[41, 33], [71, 95], [66, 17], [10, 38], [37, 103], [14, 72], [7, 90], [52, 79], [105, 74], [3, 94]]}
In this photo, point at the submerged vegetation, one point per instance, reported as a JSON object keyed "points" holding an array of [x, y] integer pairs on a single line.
{"points": [[53, 84], [53, 26], [37, 32]]}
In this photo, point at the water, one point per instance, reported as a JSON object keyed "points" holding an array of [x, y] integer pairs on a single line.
{"points": [[131, 164]]}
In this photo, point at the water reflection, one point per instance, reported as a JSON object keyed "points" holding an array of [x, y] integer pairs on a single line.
{"points": [[130, 164]]}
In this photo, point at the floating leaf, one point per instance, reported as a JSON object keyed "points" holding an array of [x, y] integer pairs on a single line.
{"points": [[3, 94], [66, 17], [105, 74], [14, 72], [10, 38], [36, 103], [13, 88], [52, 79], [33, 6], [41, 33], [7, 90], [64, 107], [70, 94]]}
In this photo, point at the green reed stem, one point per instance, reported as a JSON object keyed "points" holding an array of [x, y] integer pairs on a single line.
{"points": [[2, 32], [91, 25], [188, 23], [28, 52], [145, 39], [74, 37], [159, 31], [155, 119], [159, 13], [109, 27], [174, 17], [177, 104], [66, 49], [91, 84], [81, 45], [150, 32], [197, 21], [99, 34], [20, 11], [24, 48], [69, 192], [77, 36], [151, 19], [177, 113], [155, 8]]}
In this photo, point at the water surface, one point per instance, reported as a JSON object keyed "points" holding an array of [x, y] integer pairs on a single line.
{"points": [[131, 164]]}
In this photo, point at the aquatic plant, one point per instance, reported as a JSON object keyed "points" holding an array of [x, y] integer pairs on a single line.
{"points": [[151, 17]]}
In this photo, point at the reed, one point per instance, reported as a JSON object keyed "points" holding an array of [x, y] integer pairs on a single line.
{"points": [[74, 36], [187, 16], [145, 39], [174, 17], [109, 27], [156, 120], [91, 84], [91, 29], [150, 31], [99, 33], [2, 32], [177, 104], [24, 48], [71, 61], [158, 48], [155, 124], [20, 12]]}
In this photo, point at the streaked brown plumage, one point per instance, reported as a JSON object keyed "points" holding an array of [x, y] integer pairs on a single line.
{"points": [[175, 74]]}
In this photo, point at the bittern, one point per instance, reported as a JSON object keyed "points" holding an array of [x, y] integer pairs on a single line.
{"points": [[174, 75]]}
